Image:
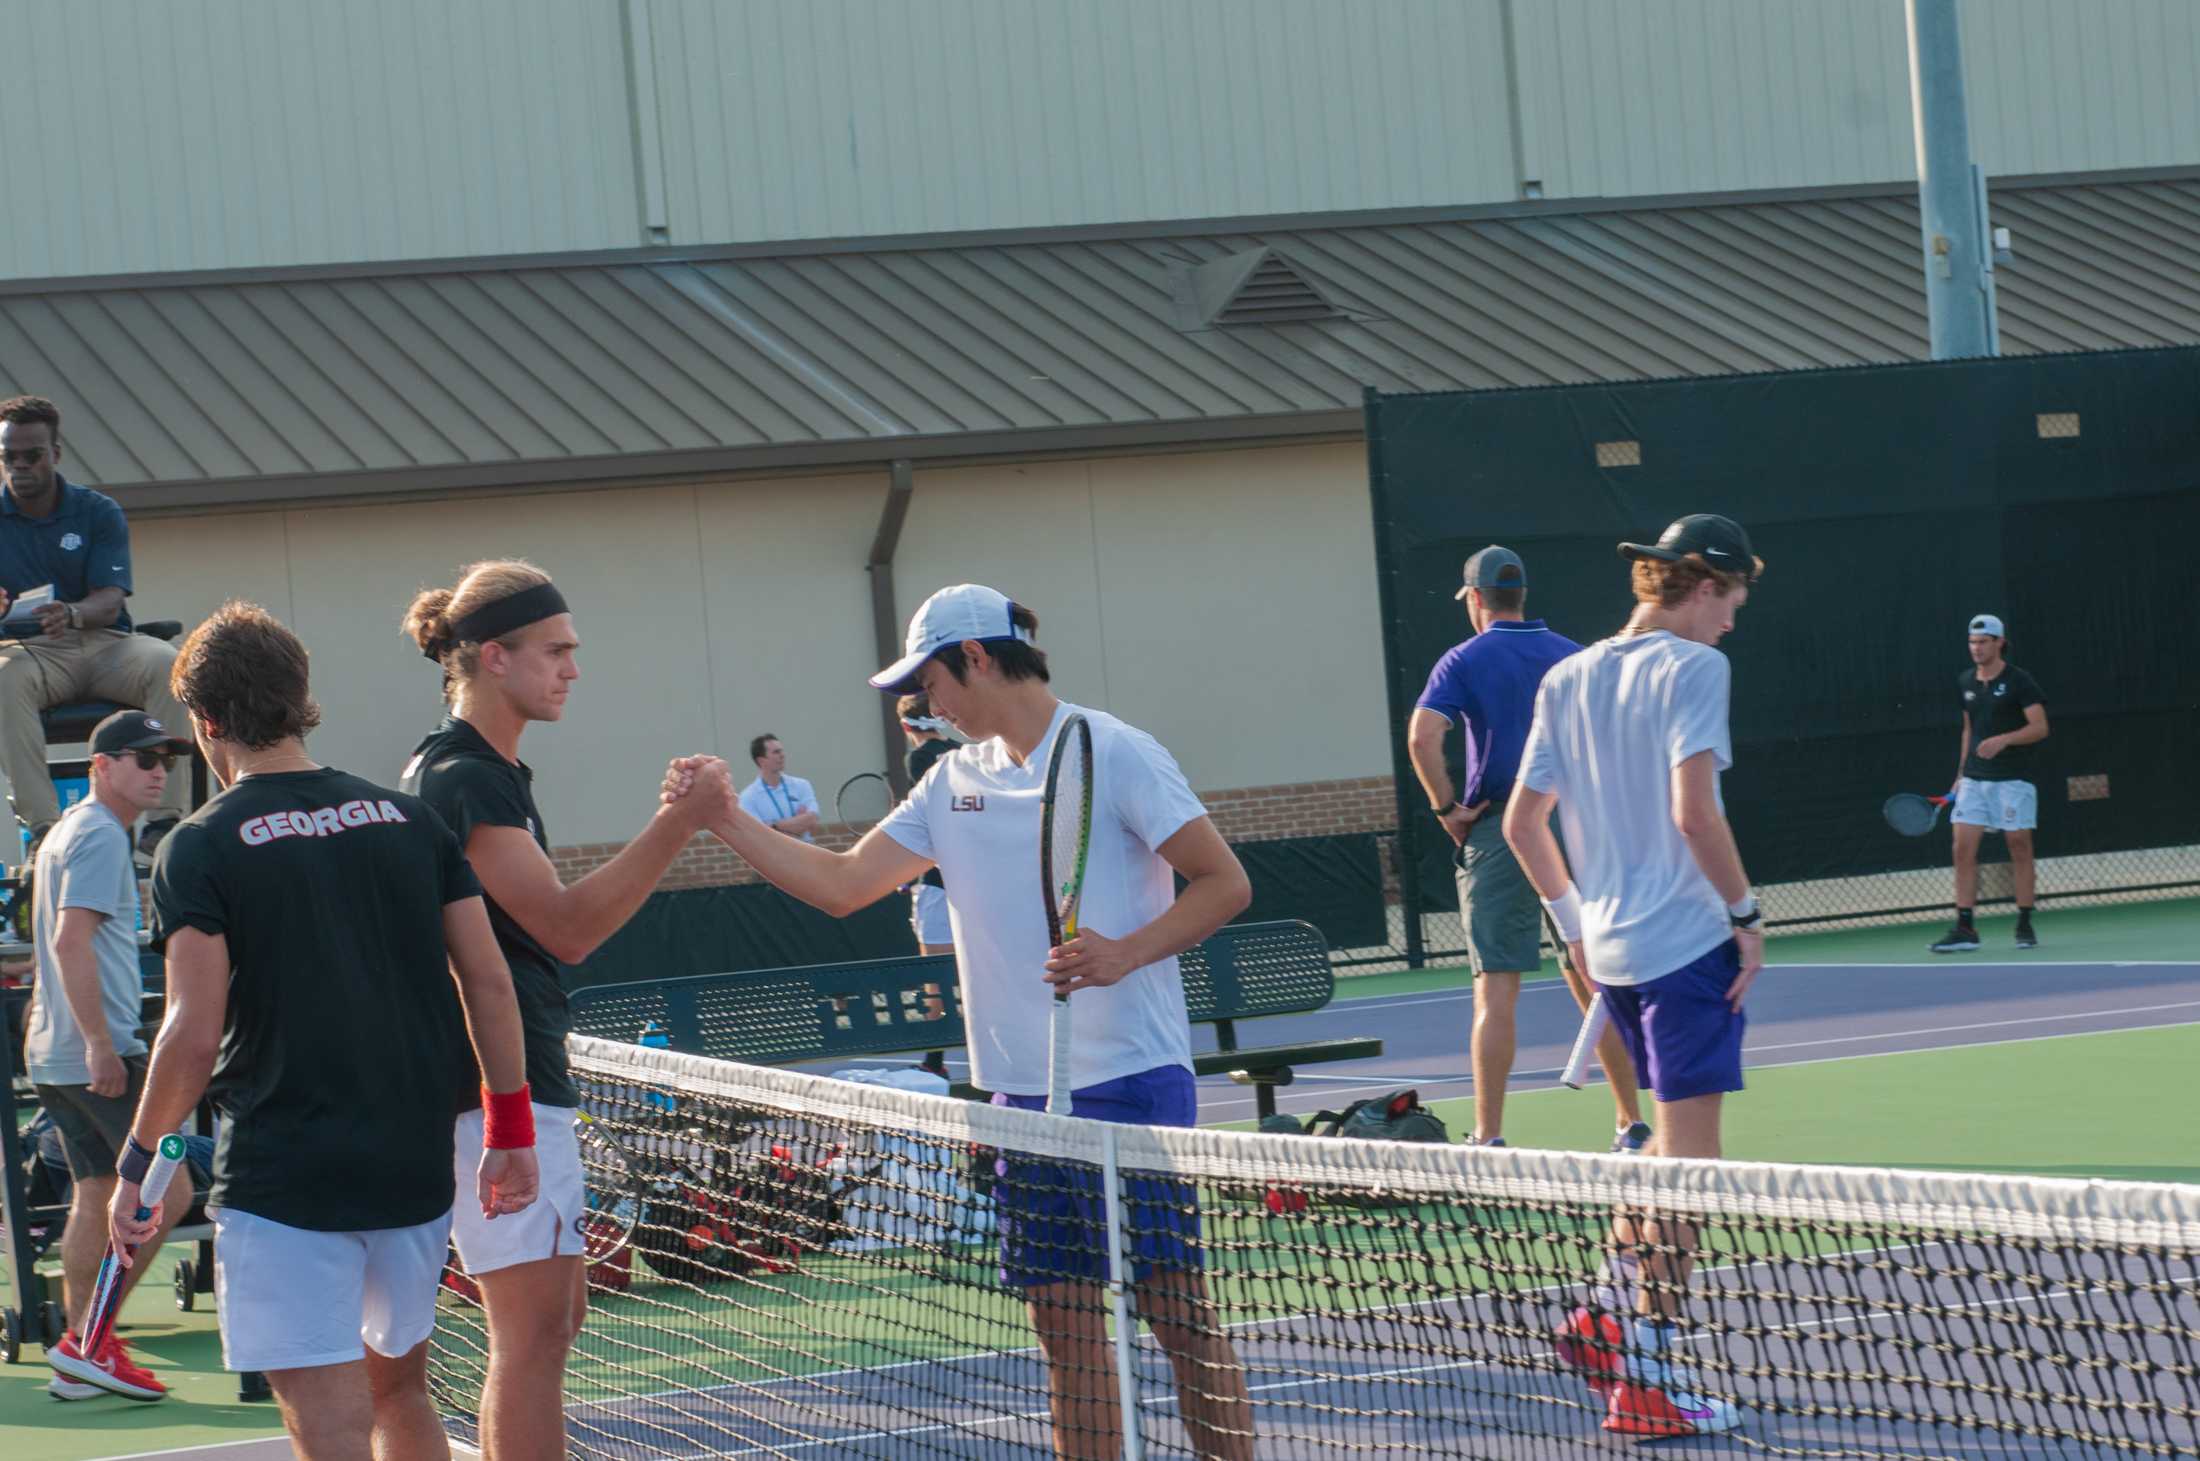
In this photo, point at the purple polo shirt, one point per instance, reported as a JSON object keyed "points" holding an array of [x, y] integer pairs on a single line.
{"points": [[1487, 685]]}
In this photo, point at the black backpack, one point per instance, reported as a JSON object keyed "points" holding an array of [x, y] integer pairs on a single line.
{"points": [[1397, 1116]]}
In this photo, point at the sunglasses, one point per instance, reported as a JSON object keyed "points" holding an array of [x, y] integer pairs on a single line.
{"points": [[147, 760]]}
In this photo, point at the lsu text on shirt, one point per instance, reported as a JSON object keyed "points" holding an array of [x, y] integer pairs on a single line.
{"points": [[977, 816], [1611, 723]]}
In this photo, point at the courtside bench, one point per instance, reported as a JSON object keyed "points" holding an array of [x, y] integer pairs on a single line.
{"points": [[829, 1012]]}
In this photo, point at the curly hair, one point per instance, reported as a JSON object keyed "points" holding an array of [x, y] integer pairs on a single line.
{"points": [[246, 677], [31, 411]]}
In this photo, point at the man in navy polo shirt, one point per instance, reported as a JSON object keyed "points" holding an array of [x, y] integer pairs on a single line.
{"points": [[1486, 686], [80, 648]]}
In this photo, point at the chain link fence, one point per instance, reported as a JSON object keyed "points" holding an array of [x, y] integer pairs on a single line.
{"points": [[1919, 896]]}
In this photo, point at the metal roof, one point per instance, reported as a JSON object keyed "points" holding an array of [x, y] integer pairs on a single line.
{"points": [[183, 391]]}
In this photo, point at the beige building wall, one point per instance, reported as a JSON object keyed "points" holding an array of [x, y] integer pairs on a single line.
{"points": [[1224, 601]]}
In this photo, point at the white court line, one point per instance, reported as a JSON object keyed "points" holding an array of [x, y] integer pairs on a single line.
{"points": [[1953, 963], [1169, 1401], [1597, 1080]]}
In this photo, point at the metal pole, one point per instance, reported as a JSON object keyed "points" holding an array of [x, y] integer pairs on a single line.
{"points": [[1959, 296], [1119, 1297], [885, 625]]}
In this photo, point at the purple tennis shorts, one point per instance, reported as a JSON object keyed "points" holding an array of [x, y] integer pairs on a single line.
{"points": [[1053, 1215], [1684, 1039]]}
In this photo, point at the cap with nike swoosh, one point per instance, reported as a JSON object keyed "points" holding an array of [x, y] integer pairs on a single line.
{"points": [[1720, 541]]}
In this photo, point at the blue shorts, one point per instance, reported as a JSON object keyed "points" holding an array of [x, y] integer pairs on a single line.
{"points": [[1684, 1039], [1053, 1216]]}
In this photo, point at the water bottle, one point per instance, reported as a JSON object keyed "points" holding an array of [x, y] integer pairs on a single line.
{"points": [[654, 1036]]}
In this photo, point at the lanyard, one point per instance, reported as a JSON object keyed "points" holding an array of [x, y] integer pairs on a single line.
{"points": [[784, 804]]}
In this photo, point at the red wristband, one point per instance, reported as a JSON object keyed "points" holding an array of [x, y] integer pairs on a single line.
{"points": [[507, 1121]]}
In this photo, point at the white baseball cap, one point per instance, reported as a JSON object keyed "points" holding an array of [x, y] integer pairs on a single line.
{"points": [[965, 611], [1987, 624]]}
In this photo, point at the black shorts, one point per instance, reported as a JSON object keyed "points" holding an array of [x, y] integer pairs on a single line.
{"points": [[94, 1128]]}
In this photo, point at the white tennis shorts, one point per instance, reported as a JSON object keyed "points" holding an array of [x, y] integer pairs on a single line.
{"points": [[1998, 806], [550, 1227], [928, 915], [293, 1299]]}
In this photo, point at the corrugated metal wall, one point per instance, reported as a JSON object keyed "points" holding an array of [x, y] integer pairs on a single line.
{"points": [[229, 133], [816, 118], [196, 134]]}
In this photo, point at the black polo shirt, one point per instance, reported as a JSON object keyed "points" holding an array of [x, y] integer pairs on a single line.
{"points": [[1996, 708], [83, 546], [921, 757], [471, 785], [343, 1038]]}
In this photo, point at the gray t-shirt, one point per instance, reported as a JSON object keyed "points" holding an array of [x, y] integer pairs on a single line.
{"points": [[85, 863]]}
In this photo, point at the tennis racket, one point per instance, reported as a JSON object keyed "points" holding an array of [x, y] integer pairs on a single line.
{"points": [[863, 801], [1593, 1022], [612, 1191], [1913, 815], [99, 1315], [1065, 836]]}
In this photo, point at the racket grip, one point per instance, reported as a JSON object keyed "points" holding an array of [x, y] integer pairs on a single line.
{"points": [[1058, 1058], [1593, 1021], [99, 1318]]}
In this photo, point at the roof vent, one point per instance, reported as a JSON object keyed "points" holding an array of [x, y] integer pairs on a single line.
{"points": [[1256, 287]]}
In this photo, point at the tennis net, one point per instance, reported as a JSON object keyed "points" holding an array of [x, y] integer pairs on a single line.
{"points": [[815, 1268]]}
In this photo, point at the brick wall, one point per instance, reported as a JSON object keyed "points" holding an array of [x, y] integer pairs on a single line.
{"points": [[1244, 814]]}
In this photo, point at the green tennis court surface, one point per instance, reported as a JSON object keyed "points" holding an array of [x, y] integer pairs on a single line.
{"points": [[2114, 1104]]}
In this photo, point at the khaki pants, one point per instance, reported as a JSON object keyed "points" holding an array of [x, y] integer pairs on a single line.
{"points": [[80, 664]]}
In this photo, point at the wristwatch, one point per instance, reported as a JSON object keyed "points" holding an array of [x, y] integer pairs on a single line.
{"points": [[76, 616]]}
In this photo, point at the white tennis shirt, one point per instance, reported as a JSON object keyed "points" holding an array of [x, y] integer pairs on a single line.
{"points": [[1611, 723], [976, 815]]}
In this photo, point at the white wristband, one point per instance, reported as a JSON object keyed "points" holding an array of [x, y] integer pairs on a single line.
{"points": [[1565, 911], [1743, 909]]}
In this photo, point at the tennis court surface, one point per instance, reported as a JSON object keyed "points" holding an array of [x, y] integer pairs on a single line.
{"points": [[838, 1292]]}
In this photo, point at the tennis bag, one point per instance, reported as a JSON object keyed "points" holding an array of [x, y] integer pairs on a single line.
{"points": [[1395, 1116]]}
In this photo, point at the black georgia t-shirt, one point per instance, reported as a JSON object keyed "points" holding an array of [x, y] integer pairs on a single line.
{"points": [[467, 781], [343, 1027], [1996, 708], [921, 757]]}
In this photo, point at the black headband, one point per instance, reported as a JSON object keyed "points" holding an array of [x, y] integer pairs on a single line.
{"points": [[495, 620]]}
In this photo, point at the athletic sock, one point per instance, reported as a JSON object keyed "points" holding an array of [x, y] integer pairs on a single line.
{"points": [[2024, 916], [1963, 917]]}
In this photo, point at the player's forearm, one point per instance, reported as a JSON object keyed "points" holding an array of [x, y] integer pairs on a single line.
{"points": [[1206, 903], [1963, 749], [182, 1064], [2026, 734], [826, 880], [493, 1026], [485, 997], [598, 905], [1711, 843], [1528, 834]]}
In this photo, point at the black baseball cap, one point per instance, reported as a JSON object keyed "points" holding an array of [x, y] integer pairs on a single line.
{"points": [[134, 730], [1720, 540]]}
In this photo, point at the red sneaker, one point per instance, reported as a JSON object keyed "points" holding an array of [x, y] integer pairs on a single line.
{"points": [[1589, 1345], [111, 1369], [1642, 1408]]}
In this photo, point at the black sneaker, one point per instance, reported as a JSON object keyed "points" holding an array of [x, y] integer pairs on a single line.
{"points": [[2026, 939], [1962, 939]]}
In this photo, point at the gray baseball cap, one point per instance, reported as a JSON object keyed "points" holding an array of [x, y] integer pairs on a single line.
{"points": [[1493, 567]]}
